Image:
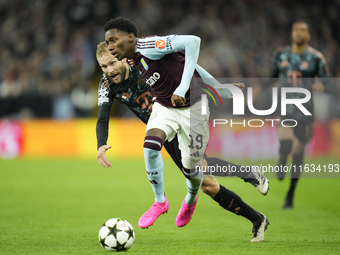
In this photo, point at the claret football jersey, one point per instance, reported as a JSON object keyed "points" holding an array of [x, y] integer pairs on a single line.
{"points": [[161, 66]]}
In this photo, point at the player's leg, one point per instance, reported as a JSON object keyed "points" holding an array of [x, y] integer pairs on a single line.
{"points": [[303, 133], [256, 179], [211, 187], [193, 137], [251, 174], [194, 178], [230, 201], [174, 152], [286, 136], [157, 131], [153, 142]]}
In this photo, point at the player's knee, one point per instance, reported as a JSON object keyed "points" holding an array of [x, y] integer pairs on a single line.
{"points": [[204, 163], [152, 148], [299, 148], [285, 146], [192, 173], [153, 143], [210, 186], [191, 167]]}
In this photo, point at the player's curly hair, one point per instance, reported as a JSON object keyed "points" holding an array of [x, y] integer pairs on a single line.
{"points": [[121, 24]]}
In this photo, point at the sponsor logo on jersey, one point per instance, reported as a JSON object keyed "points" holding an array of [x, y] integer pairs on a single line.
{"points": [[152, 79], [160, 44], [146, 67]]}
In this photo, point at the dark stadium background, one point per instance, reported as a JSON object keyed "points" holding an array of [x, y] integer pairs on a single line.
{"points": [[54, 196], [47, 48]]}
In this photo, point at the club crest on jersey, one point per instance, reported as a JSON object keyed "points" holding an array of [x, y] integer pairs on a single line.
{"points": [[153, 115], [146, 67], [160, 44]]}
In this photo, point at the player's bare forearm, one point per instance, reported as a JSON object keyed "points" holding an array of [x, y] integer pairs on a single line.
{"points": [[177, 100], [101, 156]]}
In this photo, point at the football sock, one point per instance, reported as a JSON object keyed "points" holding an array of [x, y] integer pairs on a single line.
{"points": [[154, 166], [193, 186], [297, 162], [233, 203], [285, 148], [225, 168]]}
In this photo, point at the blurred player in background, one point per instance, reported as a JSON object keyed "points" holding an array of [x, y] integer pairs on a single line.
{"points": [[122, 80], [298, 65]]}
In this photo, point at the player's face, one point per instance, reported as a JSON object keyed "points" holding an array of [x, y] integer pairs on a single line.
{"points": [[113, 68], [120, 43], [300, 33]]}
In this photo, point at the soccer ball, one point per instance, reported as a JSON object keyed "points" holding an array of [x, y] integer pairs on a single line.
{"points": [[116, 235]]}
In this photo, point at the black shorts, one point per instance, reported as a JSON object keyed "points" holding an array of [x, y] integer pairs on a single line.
{"points": [[304, 131], [174, 151]]}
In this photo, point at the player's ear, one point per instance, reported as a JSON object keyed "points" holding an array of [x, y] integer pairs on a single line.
{"points": [[131, 37]]}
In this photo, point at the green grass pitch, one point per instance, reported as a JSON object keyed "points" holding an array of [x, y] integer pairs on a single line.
{"points": [[56, 206]]}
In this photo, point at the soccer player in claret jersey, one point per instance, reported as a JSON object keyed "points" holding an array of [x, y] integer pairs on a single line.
{"points": [[126, 33], [168, 73], [121, 81], [297, 65]]}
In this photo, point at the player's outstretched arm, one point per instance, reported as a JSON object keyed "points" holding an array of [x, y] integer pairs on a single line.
{"points": [[101, 156], [191, 45], [102, 130], [210, 80]]}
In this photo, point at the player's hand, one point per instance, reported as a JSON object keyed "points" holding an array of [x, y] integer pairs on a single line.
{"points": [[239, 85], [101, 156], [177, 100], [318, 87]]}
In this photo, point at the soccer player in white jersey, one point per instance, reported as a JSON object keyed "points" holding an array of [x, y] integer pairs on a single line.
{"points": [[169, 73], [121, 81]]}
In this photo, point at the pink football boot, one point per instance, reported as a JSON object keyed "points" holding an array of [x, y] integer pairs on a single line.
{"points": [[185, 214], [153, 213]]}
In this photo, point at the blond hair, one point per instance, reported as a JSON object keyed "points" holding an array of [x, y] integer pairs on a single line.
{"points": [[101, 49]]}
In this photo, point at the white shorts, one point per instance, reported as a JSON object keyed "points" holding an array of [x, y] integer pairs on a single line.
{"points": [[191, 126]]}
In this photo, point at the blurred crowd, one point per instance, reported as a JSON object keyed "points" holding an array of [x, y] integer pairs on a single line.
{"points": [[47, 48]]}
